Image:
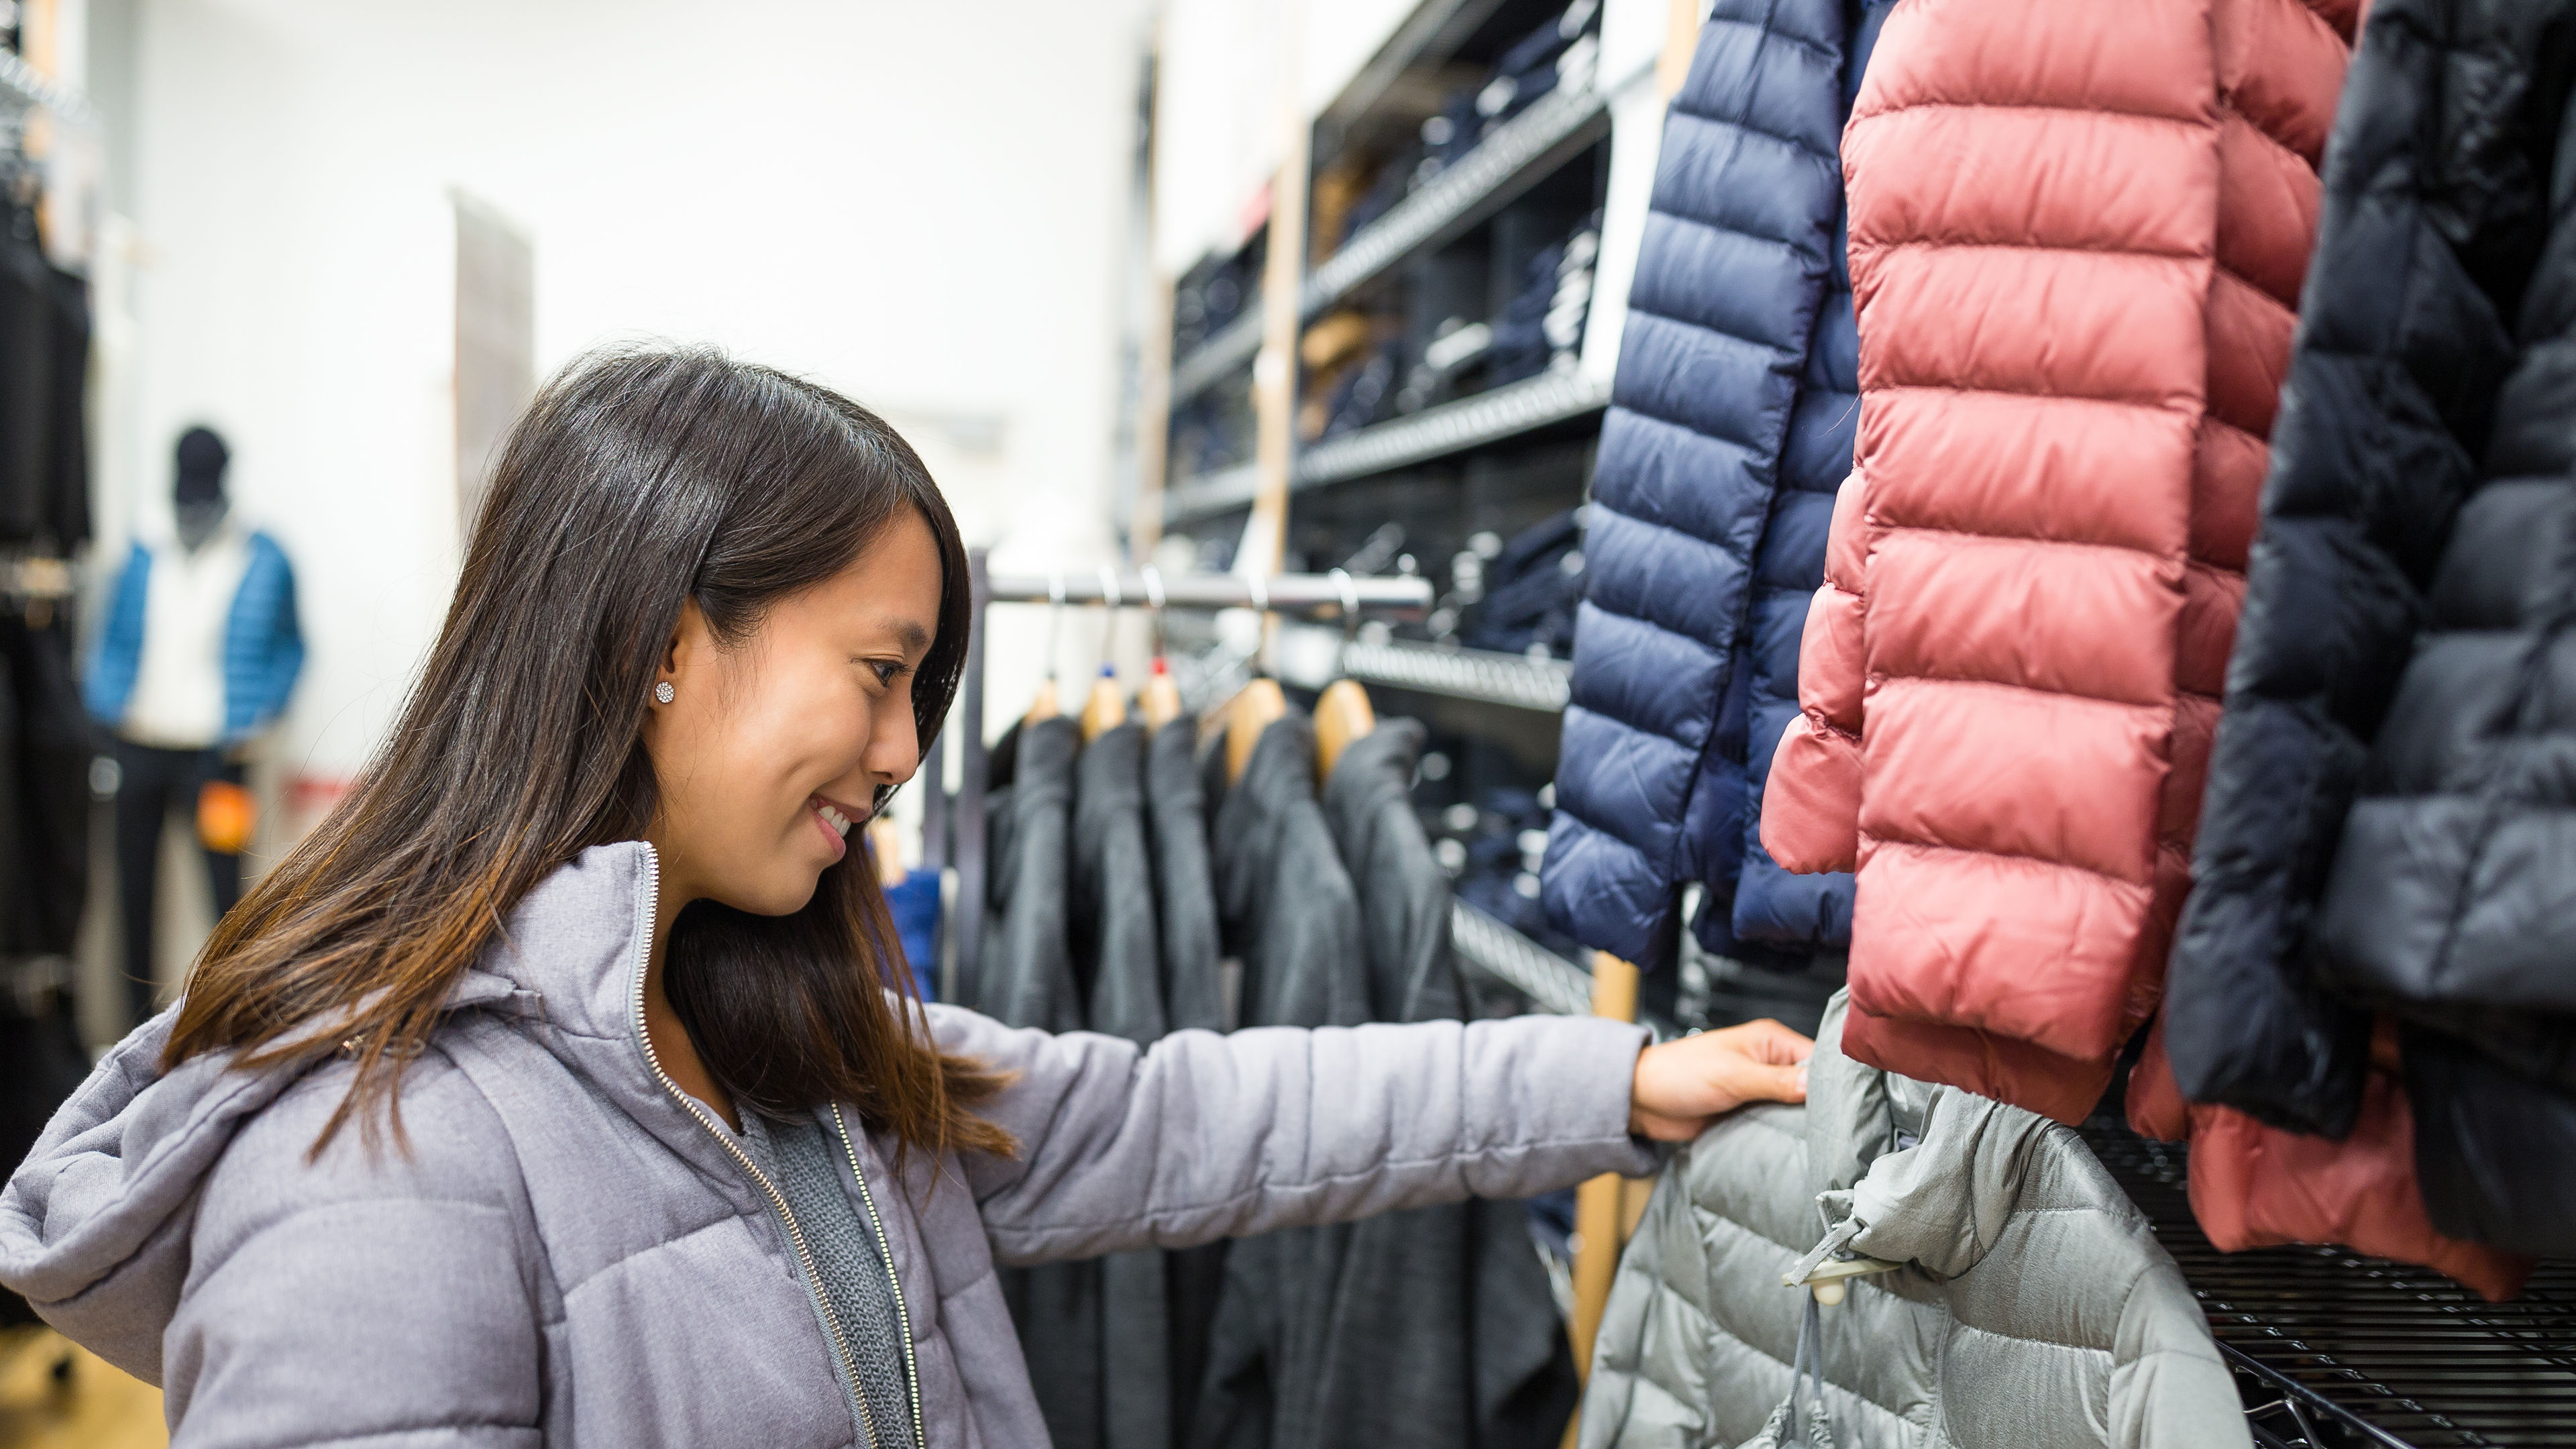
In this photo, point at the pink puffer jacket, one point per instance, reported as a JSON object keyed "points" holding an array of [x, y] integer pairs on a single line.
{"points": [[2077, 236]]}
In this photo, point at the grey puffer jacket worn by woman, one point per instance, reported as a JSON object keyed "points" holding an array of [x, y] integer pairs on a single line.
{"points": [[571, 1254]]}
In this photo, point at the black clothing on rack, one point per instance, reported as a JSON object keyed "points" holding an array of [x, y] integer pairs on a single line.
{"points": [[1193, 999], [1026, 975], [1285, 906], [1182, 886], [1456, 1293], [1288, 910], [2386, 821], [1025, 978], [44, 786], [26, 378], [1118, 960], [1117, 951], [67, 429]]}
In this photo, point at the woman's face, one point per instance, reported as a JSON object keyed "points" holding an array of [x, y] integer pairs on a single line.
{"points": [[768, 755]]}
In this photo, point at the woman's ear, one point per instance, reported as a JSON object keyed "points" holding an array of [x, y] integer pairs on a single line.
{"points": [[683, 660]]}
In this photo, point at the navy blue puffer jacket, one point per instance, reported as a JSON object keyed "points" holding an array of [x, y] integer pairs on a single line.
{"points": [[1731, 426]]}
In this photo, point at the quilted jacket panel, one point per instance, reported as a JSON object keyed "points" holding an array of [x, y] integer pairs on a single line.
{"points": [[1731, 422], [2076, 237]]}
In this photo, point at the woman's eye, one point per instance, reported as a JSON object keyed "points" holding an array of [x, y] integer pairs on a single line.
{"points": [[887, 671]]}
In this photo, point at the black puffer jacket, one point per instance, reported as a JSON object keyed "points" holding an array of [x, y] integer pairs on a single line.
{"points": [[2437, 208]]}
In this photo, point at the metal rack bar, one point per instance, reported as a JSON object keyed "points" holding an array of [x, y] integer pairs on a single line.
{"points": [[1281, 593]]}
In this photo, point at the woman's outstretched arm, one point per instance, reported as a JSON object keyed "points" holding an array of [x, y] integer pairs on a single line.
{"points": [[1206, 1136]]}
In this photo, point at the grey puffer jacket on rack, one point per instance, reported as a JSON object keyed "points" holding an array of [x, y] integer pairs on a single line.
{"points": [[2037, 1311], [572, 1256]]}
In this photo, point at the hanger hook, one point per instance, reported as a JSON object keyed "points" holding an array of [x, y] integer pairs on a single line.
{"points": [[1109, 587], [1154, 594], [1350, 592], [1260, 592], [1055, 617]]}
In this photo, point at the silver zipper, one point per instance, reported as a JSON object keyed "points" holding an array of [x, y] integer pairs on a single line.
{"points": [[903, 1315], [777, 1199]]}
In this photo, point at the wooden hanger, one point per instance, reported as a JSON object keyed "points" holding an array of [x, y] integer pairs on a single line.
{"points": [[1342, 712], [1160, 700], [1105, 710], [1246, 716], [1256, 704]]}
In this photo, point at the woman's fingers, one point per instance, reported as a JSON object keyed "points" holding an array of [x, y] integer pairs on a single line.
{"points": [[1767, 1041], [1681, 1085]]}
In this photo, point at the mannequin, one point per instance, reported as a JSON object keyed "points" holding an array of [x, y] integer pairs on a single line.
{"points": [[200, 652]]}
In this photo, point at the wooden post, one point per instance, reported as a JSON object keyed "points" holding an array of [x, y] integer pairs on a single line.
{"points": [[1283, 277], [1681, 40], [1598, 1203]]}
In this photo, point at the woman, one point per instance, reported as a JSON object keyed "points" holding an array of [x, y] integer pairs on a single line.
{"points": [[548, 1094]]}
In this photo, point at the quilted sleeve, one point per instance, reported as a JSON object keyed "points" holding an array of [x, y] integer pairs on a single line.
{"points": [[1811, 806], [377, 1299], [1204, 1136], [2400, 353]]}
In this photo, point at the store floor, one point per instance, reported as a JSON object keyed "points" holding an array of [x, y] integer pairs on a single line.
{"points": [[98, 1408]]}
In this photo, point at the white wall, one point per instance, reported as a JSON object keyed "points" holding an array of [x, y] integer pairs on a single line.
{"points": [[921, 204]]}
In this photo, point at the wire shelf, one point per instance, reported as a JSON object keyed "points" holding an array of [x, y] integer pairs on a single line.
{"points": [[1477, 674], [1473, 422], [1518, 155], [1231, 349], [2347, 1352], [1552, 983]]}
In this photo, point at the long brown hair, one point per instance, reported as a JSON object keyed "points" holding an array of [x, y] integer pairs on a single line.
{"points": [[639, 479]]}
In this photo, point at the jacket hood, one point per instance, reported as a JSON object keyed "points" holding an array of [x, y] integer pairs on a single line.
{"points": [[100, 1210]]}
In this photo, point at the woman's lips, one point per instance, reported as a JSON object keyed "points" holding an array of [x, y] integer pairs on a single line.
{"points": [[835, 826]]}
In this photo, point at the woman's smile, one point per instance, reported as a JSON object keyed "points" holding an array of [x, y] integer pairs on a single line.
{"points": [[834, 821]]}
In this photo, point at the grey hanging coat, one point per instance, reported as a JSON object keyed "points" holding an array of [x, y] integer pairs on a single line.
{"points": [[1026, 978], [1290, 913], [2039, 1311], [1118, 962], [1456, 1294]]}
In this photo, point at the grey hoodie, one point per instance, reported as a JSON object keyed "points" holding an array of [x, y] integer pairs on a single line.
{"points": [[570, 1255]]}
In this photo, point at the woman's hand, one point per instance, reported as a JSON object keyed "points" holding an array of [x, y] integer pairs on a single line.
{"points": [[1682, 1085]]}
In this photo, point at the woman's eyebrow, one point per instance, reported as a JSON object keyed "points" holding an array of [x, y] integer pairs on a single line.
{"points": [[912, 636]]}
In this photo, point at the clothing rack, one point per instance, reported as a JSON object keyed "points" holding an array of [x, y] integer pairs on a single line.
{"points": [[952, 832]]}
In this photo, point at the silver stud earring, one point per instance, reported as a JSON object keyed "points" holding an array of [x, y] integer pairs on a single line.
{"points": [[662, 691]]}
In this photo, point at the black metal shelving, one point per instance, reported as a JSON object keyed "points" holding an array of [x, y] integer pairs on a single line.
{"points": [[2337, 1351]]}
